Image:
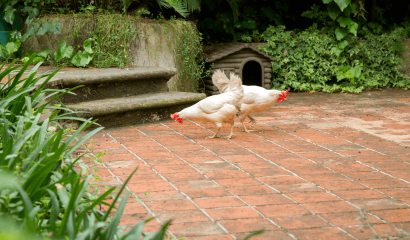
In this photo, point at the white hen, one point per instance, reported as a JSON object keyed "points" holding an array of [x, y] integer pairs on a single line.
{"points": [[256, 99], [217, 109]]}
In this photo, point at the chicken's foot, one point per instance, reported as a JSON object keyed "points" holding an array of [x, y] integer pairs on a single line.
{"points": [[253, 121], [245, 129], [215, 135], [231, 134]]}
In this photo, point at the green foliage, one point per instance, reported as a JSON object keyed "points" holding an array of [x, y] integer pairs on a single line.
{"points": [[82, 59], [183, 7], [235, 25], [64, 51], [340, 10], [312, 60], [13, 47], [113, 37], [50, 28], [189, 57], [40, 190]]}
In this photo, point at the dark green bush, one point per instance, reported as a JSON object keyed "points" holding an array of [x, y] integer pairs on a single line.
{"points": [[306, 62]]}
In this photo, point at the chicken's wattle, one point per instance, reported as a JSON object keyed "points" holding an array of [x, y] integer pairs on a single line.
{"points": [[283, 95], [176, 117]]}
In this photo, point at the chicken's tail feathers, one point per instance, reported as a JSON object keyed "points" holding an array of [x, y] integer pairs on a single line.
{"points": [[220, 80], [235, 86], [235, 83]]}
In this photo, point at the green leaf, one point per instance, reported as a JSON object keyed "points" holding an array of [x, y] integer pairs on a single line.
{"points": [[356, 71], [9, 16], [347, 11], [34, 13], [337, 51], [343, 44], [50, 28], [25, 59], [327, 1], [178, 6], [14, 36], [252, 234], [349, 74], [38, 59], [31, 31], [344, 21], [44, 53], [64, 51], [342, 4], [354, 8], [87, 45], [333, 10], [3, 51], [13, 47], [344, 68], [340, 76], [81, 59], [28, 21], [340, 33], [353, 28], [112, 228]]}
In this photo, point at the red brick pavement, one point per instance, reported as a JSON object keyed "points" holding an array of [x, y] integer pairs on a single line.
{"points": [[310, 167]]}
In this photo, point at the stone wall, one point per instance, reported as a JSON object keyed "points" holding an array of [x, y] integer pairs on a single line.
{"points": [[155, 44]]}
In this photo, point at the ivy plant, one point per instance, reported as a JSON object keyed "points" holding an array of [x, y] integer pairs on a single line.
{"points": [[306, 60]]}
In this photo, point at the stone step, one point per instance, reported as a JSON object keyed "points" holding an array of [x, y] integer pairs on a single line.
{"points": [[136, 109], [111, 82]]}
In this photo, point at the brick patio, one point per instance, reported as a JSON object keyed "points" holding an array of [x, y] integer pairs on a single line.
{"points": [[314, 162]]}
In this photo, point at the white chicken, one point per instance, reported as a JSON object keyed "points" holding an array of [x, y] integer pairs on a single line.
{"points": [[256, 99], [217, 109]]}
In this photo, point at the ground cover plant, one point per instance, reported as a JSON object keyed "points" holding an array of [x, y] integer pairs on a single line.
{"points": [[306, 60], [41, 192]]}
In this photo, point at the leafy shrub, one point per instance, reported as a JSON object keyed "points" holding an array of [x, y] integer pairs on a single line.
{"points": [[40, 190], [189, 57], [306, 61]]}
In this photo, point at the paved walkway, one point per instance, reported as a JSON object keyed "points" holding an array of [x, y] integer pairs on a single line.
{"points": [[314, 162]]}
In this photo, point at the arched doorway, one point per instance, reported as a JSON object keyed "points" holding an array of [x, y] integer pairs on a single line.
{"points": [[252, 74]]}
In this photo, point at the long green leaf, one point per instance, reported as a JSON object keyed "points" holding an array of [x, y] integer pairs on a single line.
{"points": [[83, 139], [107, 213], [55, 208], [112, 228], [66, 222], [95, 203]]}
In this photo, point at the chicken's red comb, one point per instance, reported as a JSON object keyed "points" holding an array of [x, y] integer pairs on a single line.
{"points": [[283, 95], [174, 116]]}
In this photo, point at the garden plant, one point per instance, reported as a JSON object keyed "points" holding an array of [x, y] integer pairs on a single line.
{"points": [[42, 193]]}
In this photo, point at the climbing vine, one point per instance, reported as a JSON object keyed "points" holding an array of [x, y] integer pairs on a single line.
{"points": [[189, 57]]}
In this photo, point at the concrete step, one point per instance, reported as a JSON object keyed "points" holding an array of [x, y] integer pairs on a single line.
{"points": [[111, 82], [136, 109]]}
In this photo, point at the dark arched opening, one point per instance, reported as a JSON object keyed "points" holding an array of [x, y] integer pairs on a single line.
{"points": [[252, 74]]}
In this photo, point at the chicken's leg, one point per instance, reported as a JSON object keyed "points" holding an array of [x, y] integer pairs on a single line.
{"points": [[230, 135], [244, 127], [253, 121], [216, 133]]}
